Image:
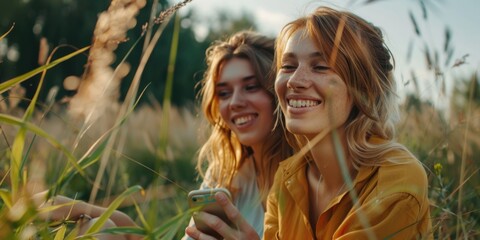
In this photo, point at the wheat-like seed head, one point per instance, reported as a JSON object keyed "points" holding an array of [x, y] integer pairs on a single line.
{"points": [[99, 89]]}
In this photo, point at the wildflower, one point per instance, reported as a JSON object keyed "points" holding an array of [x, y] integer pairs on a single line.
{"points": [[438, 168]]}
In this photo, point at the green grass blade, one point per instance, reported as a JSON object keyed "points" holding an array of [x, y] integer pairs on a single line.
{"points": [[92, 157], [169, 87], [6, 197], [72, 235], [84, 163], [9, 30], [16, 80], [33, 128], [142, 219], [111, 208], [125, 230], [61, 232], [172, 226], [16, 159]]}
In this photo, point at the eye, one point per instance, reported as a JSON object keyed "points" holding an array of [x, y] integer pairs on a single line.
{"points": [[223, 93], [288, 68], [321, 68], [252, 87]]}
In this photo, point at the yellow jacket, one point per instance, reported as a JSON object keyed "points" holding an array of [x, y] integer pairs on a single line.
{"points": [[392, 203]]}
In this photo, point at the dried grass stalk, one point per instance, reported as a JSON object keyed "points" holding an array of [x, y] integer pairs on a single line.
{"points": [[99, 89]]}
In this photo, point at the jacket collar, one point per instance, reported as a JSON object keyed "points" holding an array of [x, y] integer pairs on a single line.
{"points": [[293, 164]]}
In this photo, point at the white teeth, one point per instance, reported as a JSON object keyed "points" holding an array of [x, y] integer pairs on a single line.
{"points": [[242, 120], [302, 103]]}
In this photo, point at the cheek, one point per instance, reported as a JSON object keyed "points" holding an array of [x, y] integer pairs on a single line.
{"points": [[280, 88], [265, 102], [270, 108], [223, 110], [343, 103]]}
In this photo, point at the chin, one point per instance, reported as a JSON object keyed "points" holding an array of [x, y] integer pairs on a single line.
{"points": [[247, 141], [303, 129], [295, 129]]}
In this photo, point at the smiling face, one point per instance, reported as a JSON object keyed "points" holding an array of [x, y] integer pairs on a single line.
{"points": [[312, 96], [245, 106]]}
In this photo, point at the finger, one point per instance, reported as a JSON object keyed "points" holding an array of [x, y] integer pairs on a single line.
{"points": [[194, 233], [243, 227], [231, 210], [216, 224]]}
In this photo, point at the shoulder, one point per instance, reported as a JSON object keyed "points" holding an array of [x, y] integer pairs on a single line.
{"points": [[401, 172], [287, 171], [291, 165]]}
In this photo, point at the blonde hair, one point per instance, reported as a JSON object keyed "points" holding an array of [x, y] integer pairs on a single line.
{"points": [[356, 52], [222, 151]]}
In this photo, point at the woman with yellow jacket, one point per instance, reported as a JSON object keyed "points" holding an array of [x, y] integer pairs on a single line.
{"points": [[335, 87]]}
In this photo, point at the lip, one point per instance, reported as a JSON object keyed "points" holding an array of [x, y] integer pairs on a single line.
{"points": [[305, 98], [301, 110], [248, 123]]}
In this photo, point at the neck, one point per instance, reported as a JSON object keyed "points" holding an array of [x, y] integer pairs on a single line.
{"points": [[257, 156], [326, 163]]}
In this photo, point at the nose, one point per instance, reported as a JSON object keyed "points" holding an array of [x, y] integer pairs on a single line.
{"points": [[299, 79], [238, 100]]}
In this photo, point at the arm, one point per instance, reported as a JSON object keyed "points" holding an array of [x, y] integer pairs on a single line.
{"points": [[67, 208]]}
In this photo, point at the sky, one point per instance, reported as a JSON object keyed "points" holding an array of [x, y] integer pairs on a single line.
{"points": [[392, 16]]}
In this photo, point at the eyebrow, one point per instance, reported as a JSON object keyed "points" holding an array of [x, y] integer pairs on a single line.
{"points": [[311, 55], [244, 79]]}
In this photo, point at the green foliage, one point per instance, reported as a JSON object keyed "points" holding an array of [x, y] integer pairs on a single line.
{"points": [[60, 22], [17, 80], [147, 151], [224, 24], [54, 20], [16, 221], [112, 207]]}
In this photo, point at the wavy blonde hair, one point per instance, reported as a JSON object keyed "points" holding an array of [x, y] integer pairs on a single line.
{"points": [[222, 151], [357, 53]]}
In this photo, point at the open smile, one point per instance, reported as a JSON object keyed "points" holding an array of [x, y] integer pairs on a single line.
{"points": [[303, 103], [244, 119]]}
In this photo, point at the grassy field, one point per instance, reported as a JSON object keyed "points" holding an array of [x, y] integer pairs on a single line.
{"points": [[446, 144], [140, 158]]}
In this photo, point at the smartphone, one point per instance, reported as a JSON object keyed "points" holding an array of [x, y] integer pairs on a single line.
{"points": [[204, 200]]}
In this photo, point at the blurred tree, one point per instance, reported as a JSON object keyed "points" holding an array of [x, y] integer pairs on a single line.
{"points": [[190, 63], [225, 23], [60, 22], [68, 22]]}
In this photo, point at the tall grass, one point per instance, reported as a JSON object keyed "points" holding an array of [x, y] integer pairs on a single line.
{"points": [[140, 158], [446, 139], [91, 134], [137, 163]]}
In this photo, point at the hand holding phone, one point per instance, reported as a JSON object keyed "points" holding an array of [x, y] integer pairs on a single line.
{"points": [[204, 200]]}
